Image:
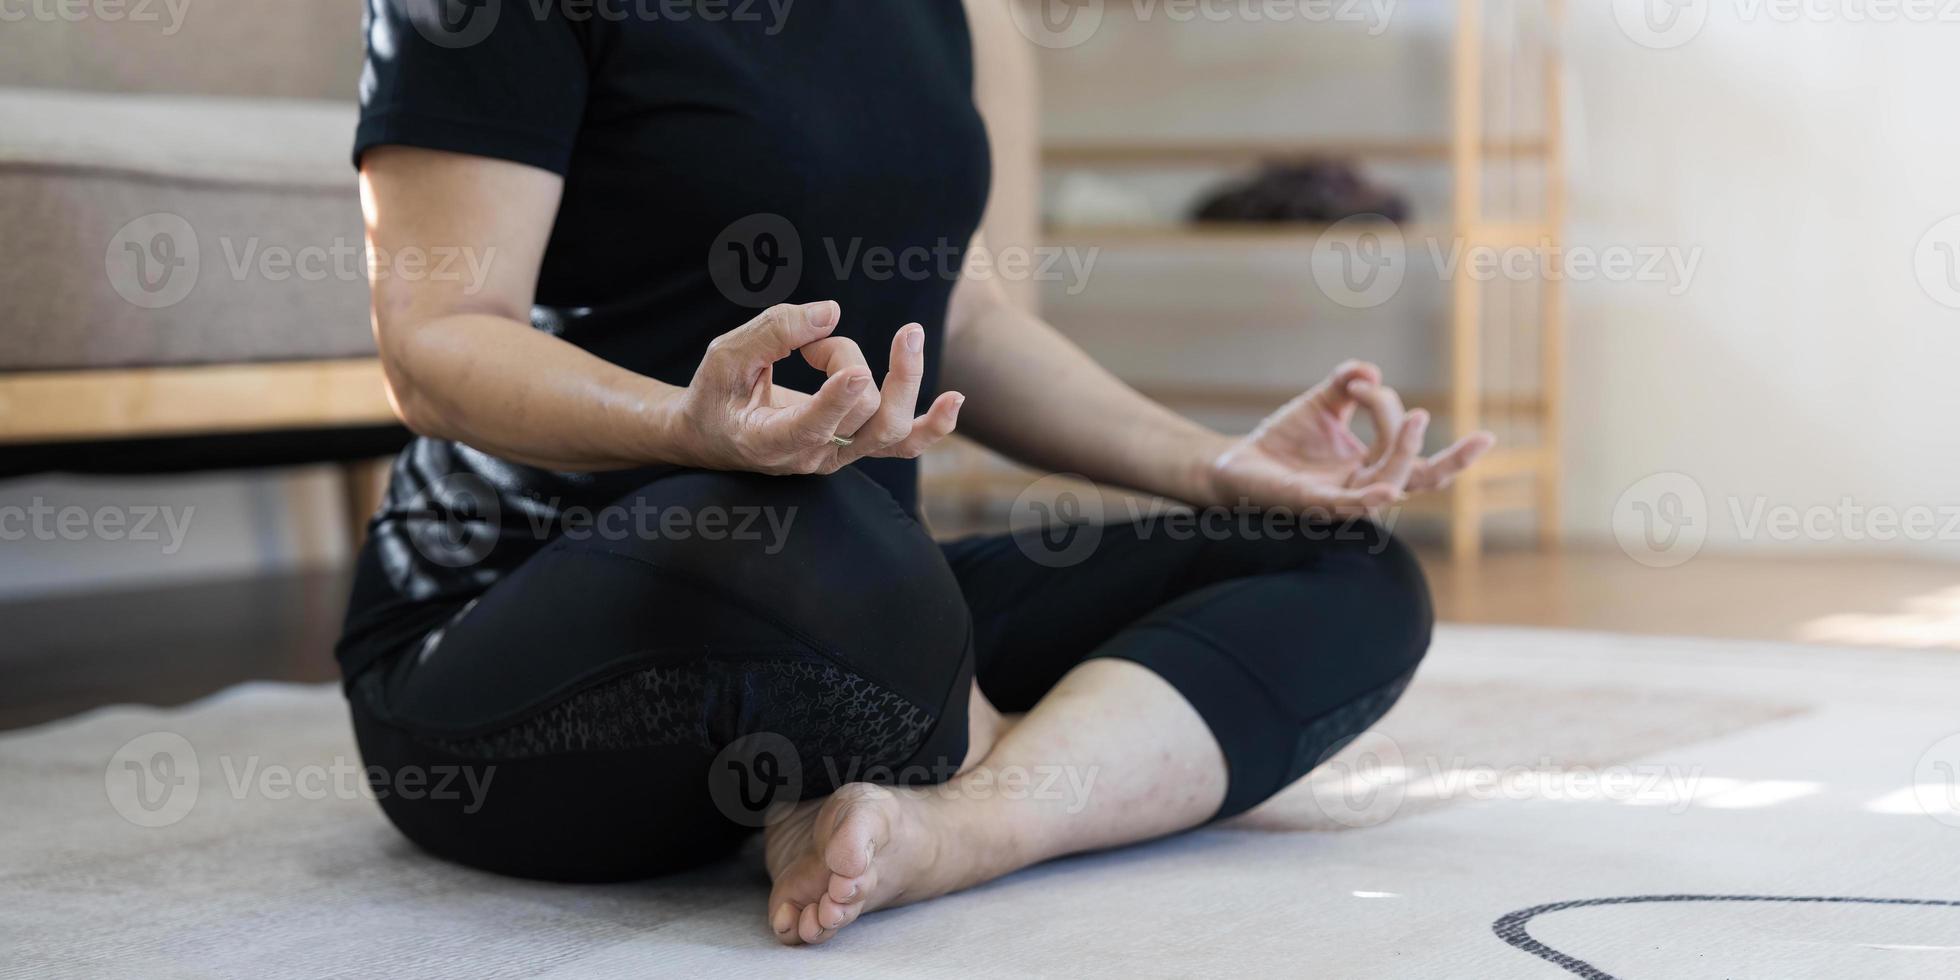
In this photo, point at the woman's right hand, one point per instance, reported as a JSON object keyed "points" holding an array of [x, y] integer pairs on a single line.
{"points": [[463, 362], [732, 416]]}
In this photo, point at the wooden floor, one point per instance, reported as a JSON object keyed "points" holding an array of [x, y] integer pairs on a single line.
{"points": [[169, 645], [1848, 601]]}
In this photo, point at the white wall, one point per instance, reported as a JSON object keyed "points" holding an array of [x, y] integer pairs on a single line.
{"points": [[1805, 364], [1802, 365]]}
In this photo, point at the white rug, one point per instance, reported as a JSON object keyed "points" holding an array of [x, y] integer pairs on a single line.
{"points": [[1523, 769]]}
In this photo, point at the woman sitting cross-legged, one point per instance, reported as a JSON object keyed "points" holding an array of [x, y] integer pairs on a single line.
{"points": [[652, 570]]}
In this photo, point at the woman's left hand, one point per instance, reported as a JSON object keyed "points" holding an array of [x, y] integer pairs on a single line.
{"points": [[1305, 456]]}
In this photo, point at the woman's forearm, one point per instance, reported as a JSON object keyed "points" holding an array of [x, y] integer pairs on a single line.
{"points": [[507, 389], [1036, 397]]}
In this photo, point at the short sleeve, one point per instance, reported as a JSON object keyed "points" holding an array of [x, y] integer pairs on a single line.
{"points": [[494, 78]]}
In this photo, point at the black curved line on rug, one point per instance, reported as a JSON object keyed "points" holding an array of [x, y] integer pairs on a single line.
{"points": [[1512, 927]]}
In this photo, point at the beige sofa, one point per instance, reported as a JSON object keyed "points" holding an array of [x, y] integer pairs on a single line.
{"points": [[183, 238], [180, 270]]}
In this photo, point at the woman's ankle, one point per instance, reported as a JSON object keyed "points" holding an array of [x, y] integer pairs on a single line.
{"points": [[984, 727]]}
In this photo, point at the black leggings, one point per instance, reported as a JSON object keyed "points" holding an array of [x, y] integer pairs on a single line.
{"points": [[628, 701]]}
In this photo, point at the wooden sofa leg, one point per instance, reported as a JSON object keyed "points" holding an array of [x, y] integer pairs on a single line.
{"points": [[362, 484]]}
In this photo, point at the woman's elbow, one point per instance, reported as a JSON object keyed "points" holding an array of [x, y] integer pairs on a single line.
{"points": [[409, 398]]}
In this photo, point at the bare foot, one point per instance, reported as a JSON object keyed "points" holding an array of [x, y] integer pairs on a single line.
{"points": [[867, 847], [864, 848]]}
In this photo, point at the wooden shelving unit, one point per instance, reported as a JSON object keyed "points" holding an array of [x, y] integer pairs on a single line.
{"points": [[1521, 475]]}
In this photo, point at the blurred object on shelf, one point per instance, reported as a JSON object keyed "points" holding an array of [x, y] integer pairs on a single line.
{"points": [[1086, 199], [1320, 191]]}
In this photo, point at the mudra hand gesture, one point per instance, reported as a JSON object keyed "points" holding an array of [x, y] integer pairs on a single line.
{"points": [[1306, 455]]}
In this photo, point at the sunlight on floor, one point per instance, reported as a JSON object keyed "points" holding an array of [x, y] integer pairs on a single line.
{"points": [[1925, 622], [1378, 789]]}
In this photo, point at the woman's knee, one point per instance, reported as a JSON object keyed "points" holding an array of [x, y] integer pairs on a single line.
{"points": [[801, 544], [1393, 590], [1403, 579], [831, 563]]}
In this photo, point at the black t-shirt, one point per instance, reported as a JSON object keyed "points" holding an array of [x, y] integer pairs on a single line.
{"points": [[719, 156]]}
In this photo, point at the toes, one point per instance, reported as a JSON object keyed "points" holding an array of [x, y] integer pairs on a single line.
{"points": [[809, 929], [784, 924], [860, 830], [834, 915], [846, 890]]}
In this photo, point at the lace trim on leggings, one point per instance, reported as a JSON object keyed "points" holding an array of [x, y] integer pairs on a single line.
{"points": [[1326, 735], [824, 710]]}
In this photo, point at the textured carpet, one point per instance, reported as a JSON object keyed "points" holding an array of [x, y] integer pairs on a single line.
{"points": [[1524, 769]]}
